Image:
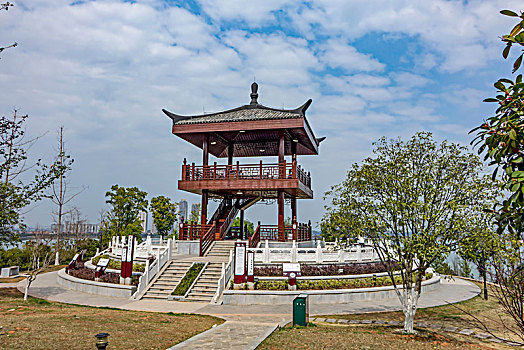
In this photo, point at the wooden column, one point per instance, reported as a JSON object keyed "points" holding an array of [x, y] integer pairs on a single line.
{"points": [[281, 230], [242, 224], [281, 148], [205, 171], [281, 153], [294, 208], [230, 150], [203, 217]]}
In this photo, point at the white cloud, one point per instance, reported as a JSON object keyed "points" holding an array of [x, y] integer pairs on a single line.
{"points": [[337, 54]]}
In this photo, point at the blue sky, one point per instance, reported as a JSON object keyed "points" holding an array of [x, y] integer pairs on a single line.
{"points": [[105, 69]]}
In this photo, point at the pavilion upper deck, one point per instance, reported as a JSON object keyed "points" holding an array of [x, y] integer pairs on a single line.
{"points": [[247, 180]]}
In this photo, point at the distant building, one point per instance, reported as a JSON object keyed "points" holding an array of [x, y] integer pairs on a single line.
{"points": [[143, 220], [182, 210], [77, 227], [153, 228]]}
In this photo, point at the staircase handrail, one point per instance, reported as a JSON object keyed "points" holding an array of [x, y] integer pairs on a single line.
{"points": [[228, 221], [151, 270], [227, 271], [217, 212], [207, 239], [255, 238]]}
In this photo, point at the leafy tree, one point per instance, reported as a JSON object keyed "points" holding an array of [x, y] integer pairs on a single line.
{"points": [[501, 137], [14, 193], [482, 244], [194, 216], [164, 214], [250, 226], [413, 201], [122, 219]]}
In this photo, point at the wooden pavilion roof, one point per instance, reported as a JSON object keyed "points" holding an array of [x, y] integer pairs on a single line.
{"points": [[252, 130]]}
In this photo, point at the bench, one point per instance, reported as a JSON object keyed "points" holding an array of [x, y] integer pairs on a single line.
{"points": [[11, 271], [77, 261]]}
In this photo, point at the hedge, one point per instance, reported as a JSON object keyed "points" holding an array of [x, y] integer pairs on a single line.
{"points": [[188, 279], [367, 282]]}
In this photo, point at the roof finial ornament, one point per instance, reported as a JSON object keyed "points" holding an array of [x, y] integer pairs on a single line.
{"points": [[254, 93]]}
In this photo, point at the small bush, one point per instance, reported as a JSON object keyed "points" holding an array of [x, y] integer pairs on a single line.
{"points": [[115, 264], [108, 277], [188, 279], [324, 269]]}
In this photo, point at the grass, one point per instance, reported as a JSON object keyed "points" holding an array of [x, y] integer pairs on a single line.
{"points": [[369, 338], [40, 324], [188, 279], [384, 337]]}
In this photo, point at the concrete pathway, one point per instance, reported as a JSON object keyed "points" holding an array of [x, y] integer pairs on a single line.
{"points": [[245, 326]]}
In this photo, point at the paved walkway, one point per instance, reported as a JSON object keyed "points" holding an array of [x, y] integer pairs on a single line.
{"points": [[245, 326]]}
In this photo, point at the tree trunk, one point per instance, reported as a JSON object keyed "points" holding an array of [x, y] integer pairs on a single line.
{"points": [[27, 289]]}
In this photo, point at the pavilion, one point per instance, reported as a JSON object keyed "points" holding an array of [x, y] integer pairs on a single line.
{"points": [[251, 130]]}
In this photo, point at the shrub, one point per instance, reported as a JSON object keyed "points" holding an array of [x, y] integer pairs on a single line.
{"points": [[324, 269], [116, 264], [188, 279], [108, 277]]}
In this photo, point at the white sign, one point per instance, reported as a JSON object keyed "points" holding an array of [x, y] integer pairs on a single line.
{"points": [[240, 260], [131, 241], [124, 254], [103, 262], [288, 268], [250, 264]]}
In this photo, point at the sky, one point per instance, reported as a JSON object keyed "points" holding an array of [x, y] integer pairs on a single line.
{"points": [[105, 69]]}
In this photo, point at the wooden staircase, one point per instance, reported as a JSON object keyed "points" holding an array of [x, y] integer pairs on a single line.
{"points": [[206, 286], [166, 282]]}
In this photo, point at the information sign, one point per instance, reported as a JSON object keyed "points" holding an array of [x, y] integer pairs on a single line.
{"points": [[240, 262], [250, 266], [288, 268]]}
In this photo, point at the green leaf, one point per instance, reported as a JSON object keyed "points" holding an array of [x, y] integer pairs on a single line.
{"points": [[499, 85], [509, 13], [505, 52], [491, 99], [517, 63], [512, 134], [515, 30]]}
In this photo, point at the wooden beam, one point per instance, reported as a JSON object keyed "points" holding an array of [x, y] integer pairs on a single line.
{"points": [[281, 147]]}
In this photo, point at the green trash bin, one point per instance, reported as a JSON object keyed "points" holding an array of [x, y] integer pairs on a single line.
{"points": [[300, 310]]}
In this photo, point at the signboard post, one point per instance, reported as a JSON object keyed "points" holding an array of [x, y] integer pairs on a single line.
{"points": [[251, 269], [291, 271], [240, 263], [126, 267]]}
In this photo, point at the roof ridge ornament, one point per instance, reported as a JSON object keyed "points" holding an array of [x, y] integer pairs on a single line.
{"points": [[254, 94]]}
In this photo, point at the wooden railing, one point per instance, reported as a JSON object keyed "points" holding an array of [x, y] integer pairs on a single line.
{"points": [[192, 172], [255, 238], [207, 239], [228, 221], [192, 230], [303, 232]]}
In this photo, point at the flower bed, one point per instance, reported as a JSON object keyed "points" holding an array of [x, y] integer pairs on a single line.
{"points": [[107, 277], [367, 282], [115, 264], [324, 270]]}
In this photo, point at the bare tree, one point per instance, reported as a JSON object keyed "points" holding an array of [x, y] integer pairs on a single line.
{"points": [[6, 6], [40, 253], [75, 225], [59, 194]]}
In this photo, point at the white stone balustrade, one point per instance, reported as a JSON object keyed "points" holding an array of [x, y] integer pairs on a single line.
{"points": [[357, 253]]}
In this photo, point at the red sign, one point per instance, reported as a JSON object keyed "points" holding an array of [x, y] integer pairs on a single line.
{"points": [[126, 268]]}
